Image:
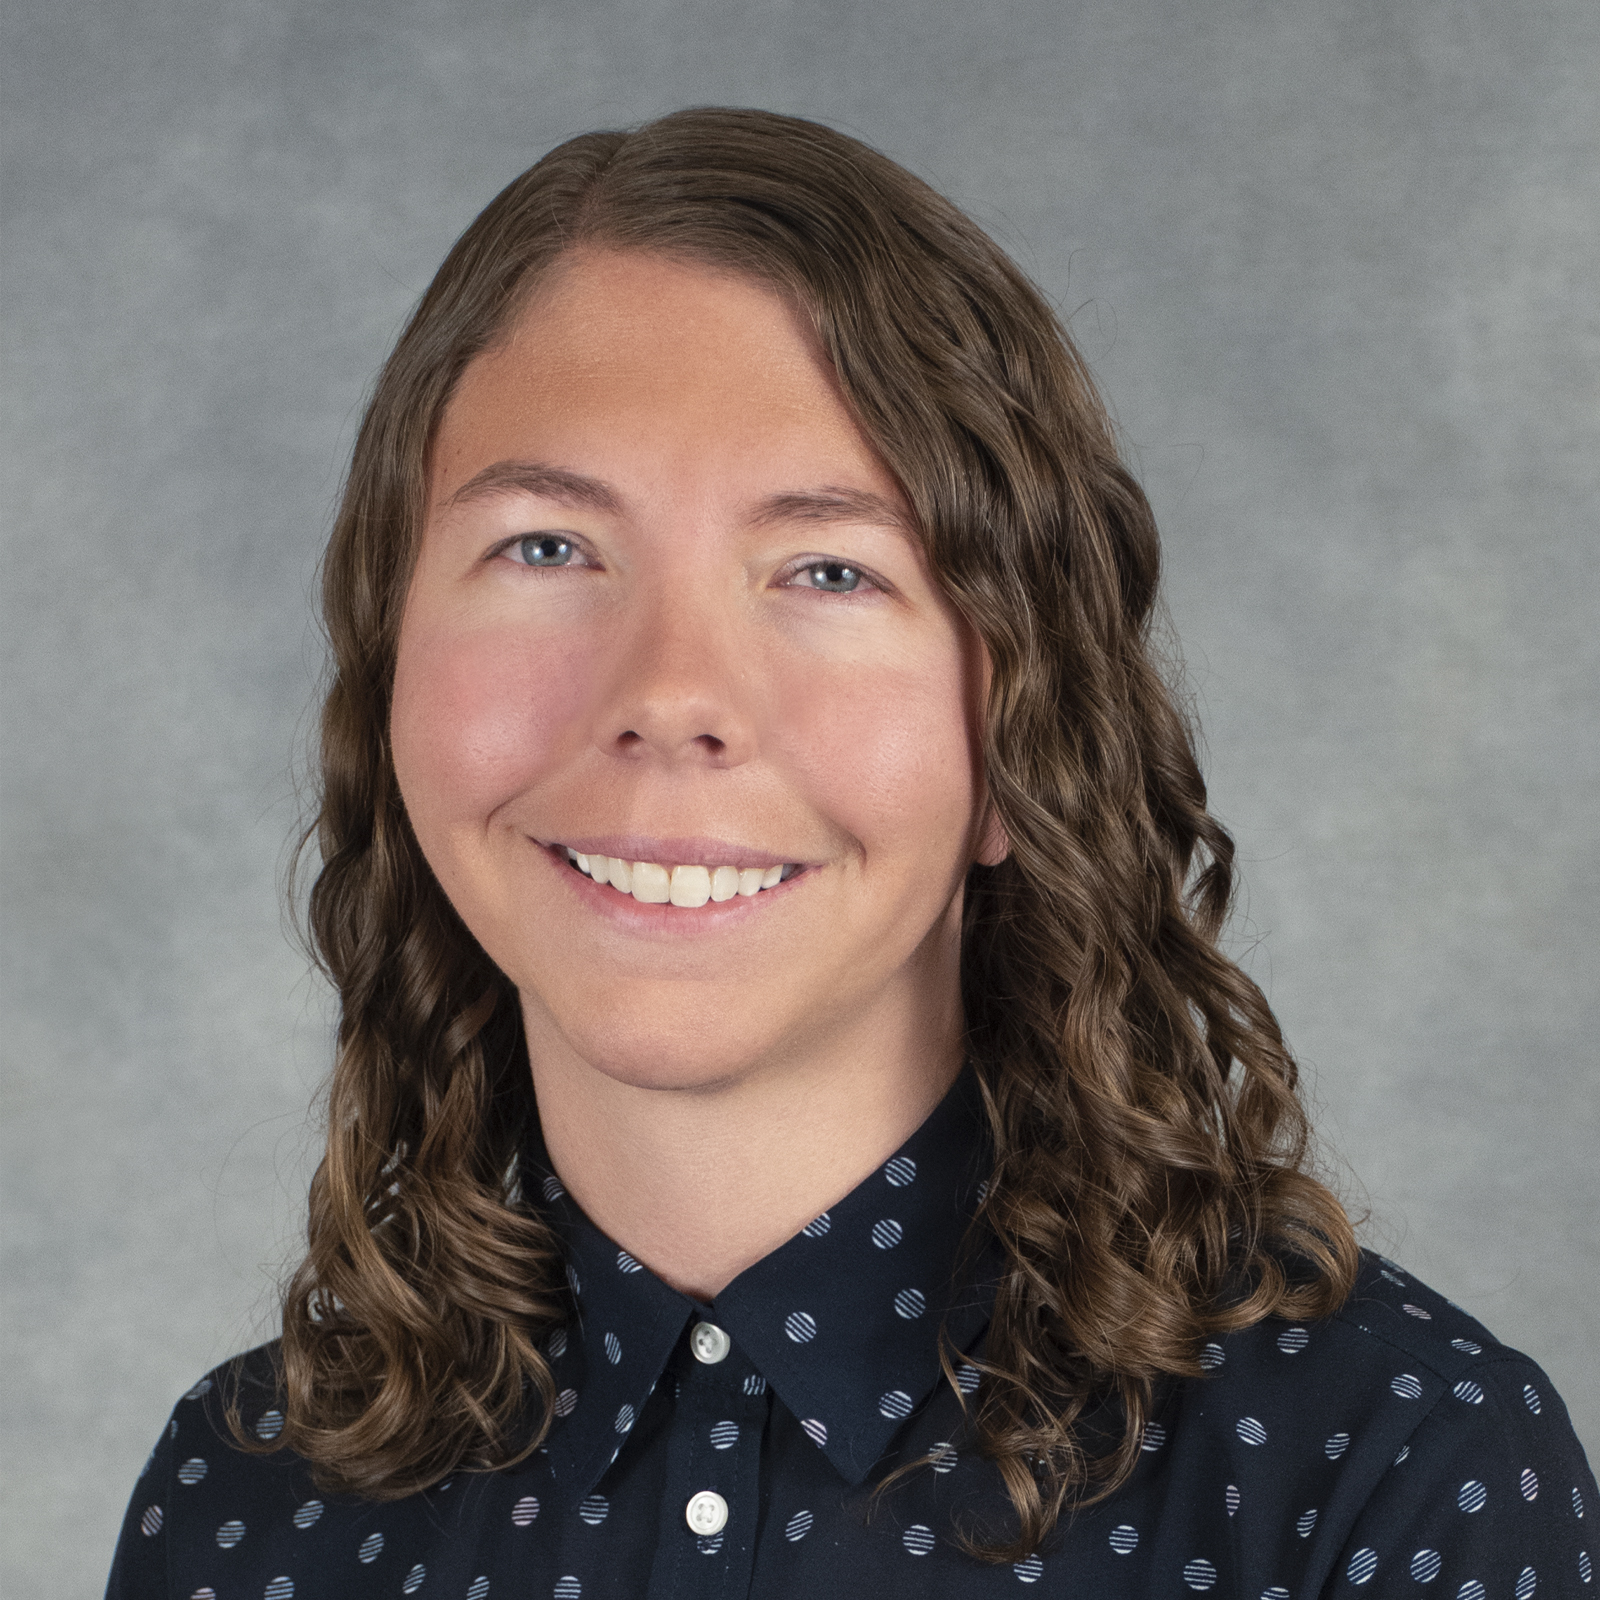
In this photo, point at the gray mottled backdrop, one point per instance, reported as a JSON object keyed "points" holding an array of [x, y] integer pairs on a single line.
{"points": [[1335, 263]]}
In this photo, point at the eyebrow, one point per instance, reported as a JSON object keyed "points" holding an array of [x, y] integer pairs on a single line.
{"points": [[534, 477], [824, 505], [831, 505]]}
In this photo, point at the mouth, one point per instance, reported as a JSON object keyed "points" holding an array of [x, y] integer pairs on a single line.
{"points": [[684, 884]]}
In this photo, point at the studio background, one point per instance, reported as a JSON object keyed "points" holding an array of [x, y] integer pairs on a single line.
{"points": [[1335, 266]]}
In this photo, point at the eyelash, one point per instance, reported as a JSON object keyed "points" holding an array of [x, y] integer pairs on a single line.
{"points": [[509, 548]]}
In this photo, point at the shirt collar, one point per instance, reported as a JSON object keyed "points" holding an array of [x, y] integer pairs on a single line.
{"points": [[842, 1321]]}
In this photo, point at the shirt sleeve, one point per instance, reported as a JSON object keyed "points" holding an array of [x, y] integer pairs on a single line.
{"points": [[1490, 1499], [139, 1568]]}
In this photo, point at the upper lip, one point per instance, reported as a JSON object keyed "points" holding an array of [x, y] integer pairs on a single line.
{"points": [[670, 852]]}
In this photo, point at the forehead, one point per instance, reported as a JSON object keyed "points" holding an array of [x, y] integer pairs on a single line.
{"points": [[648, 367]]}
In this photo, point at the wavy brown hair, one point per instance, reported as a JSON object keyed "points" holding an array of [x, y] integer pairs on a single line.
{"points": [[1150, 1182]]}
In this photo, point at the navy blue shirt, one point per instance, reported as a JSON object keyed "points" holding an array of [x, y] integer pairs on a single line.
{"points": [[732, 1449]]}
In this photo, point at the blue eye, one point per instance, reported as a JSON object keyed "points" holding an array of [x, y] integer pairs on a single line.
{"points": [[833, 577], [546, 550]]}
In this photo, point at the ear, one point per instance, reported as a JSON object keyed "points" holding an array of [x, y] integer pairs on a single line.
{"points": [[994, 844]]}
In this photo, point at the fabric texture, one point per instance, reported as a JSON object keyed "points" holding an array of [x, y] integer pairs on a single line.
{"points": [[1394, 1449]]}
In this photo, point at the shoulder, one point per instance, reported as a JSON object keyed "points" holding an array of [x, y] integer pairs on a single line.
{"points": [[1397, 1431]]}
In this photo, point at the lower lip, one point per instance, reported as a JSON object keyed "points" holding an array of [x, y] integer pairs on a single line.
{"points": [[641, 917]]}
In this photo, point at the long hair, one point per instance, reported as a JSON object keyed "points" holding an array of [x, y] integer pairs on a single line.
{"points": [[1151, 1181]]}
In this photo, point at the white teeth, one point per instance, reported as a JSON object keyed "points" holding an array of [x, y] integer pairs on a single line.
{"points": [[691, 887], [686, 886], [651, 883]]}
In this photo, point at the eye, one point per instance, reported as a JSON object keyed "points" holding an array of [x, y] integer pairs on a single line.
{"points": [[832, 577], [543, 550]]}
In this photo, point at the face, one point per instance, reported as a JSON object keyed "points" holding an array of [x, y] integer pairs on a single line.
{"points": [[670, 623]]}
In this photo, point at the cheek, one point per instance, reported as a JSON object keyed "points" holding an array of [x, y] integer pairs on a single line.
{"points": [[479, 717], [889, 754]]}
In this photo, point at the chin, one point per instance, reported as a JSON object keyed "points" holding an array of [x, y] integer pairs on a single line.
{"points": [[687, 1055]]}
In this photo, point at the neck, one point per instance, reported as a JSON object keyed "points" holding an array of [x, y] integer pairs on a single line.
{"points": [[701, 1182]]}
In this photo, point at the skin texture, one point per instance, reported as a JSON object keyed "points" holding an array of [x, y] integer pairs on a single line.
{"points": [[708, 1080]]}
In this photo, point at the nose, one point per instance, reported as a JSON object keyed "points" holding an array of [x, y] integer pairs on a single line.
{"points": [[678, 692]]}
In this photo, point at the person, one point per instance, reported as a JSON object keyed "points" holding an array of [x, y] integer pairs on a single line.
{"points": [[793, 1127]]}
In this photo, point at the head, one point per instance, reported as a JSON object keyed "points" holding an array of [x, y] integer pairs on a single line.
{"points": [[670, 613], [667, 396]]}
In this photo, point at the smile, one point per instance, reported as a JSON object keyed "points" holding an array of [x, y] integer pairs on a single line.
{"points": [[688, 886]]}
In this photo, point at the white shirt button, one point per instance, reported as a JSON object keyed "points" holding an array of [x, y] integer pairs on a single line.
{"points": [[707, 1513], [709, 1343]]}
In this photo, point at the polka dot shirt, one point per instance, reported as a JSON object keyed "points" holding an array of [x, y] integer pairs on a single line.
{"points": [[731, 1450]]}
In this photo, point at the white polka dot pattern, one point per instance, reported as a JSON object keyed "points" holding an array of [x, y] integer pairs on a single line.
{"points": [[280, 1588], [800, 1326], [1306, 1419], [1362, 1566], [817, 1227], [901, 1172], [1425, 1565]]}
